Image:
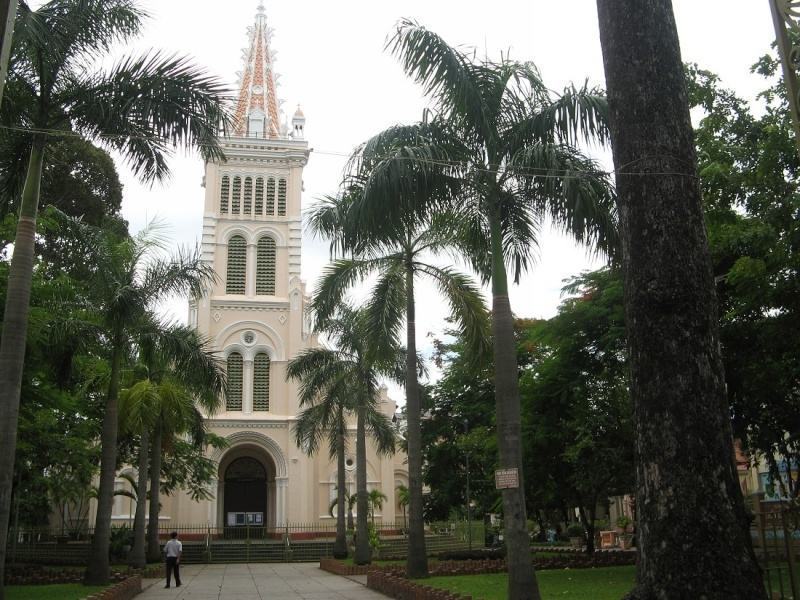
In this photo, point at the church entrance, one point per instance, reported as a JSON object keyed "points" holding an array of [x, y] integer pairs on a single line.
{"points": [[245, 493]]}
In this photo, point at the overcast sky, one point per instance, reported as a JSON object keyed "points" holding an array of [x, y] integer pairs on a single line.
{"points": [[331, 60]]}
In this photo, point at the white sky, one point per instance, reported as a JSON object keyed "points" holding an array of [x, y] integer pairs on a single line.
{"points": [[331, 60]]}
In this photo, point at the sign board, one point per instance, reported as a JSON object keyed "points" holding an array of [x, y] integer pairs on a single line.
{"points": [[506, 479]]}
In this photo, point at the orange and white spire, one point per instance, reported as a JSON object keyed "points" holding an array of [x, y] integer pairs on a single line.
{"points": [[257, 108]]}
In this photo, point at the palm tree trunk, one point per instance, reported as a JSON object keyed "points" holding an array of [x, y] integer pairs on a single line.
{"points": [[153, 546], [340, 545], [8, 14], [522, 583], [682, 421], [97, 571], [14, 336], [363, 554], [417, 559], [138, 554]]}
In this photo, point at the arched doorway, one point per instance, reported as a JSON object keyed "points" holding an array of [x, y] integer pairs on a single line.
{"points": [[245, 493]]}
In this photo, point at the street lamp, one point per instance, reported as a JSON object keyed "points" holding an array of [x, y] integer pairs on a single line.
{"points": [[469, 508]]}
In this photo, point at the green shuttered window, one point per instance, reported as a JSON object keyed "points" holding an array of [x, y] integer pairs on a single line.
{"points": [[237, 265], [265, 267], [233, 400], [282, 198], [224, 192], [261, 382], [271, 196]]}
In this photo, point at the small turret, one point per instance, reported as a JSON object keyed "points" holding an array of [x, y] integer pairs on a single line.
{"points": [[298, 124]]}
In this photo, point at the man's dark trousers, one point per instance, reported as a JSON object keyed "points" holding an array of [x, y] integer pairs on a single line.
{"points": [[173, 565]]}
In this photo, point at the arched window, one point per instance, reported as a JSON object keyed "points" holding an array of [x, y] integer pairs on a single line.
{"points": [[233, 401], [271, 196], [265, 266], [237, 265], [261, 382], [282, 197], [224, 191], [259, 196], [248, 195], [236, 198]]}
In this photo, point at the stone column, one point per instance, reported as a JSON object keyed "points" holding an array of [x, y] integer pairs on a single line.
{"points": [[250, 277], [213, 489], [281, 484], [247, 385]]}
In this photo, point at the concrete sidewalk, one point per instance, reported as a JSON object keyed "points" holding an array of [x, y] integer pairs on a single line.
{"points": [[259, 582]]}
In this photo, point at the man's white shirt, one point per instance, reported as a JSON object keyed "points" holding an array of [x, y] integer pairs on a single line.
{"points": [[173, 549]]}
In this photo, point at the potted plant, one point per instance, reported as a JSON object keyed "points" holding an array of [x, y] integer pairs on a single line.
{"points": [[626, 541], [576, 535], [623, 524]]}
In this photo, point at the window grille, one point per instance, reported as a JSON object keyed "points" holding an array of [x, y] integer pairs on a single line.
{"points": [[265, 266], [261, 382], [248, 195], [224, 191], [233, 400], [237, 265], [259, 196], [282, 197], [271, 196], [236, 198]]}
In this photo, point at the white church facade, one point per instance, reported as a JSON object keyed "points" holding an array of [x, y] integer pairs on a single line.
{"points": [[255, 318]]}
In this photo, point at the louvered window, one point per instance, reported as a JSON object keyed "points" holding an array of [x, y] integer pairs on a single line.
{"points": [[265, 267], [237, 265], [261, 382], [233, 400], [248, 195], [271, 196], [259, 196], [282, 197], [224, 191], [236, 197]]}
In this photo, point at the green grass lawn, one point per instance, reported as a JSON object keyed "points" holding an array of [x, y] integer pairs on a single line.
{"points": [[603, 583], [66, 591]]}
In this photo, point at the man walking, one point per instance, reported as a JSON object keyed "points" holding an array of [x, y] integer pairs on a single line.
{"points": [[173, 549]]}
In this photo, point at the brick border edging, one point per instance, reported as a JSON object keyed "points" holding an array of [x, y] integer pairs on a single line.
{"points": [[124, 590], [400, 588], [335, 566]]}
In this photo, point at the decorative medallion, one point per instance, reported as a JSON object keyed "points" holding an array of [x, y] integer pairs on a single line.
{"points": [[249, 338], [217, 316], [282, 319]]}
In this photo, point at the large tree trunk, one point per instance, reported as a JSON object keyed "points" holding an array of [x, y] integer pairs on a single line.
{"points": [[417, 560], [97, 571], [522, 584], [340, 545], [692, 532], [363, 553], [138, 554], [8, 14], [153, 545], [14, 336]]}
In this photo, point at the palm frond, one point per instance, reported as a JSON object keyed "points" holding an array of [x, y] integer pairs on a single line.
{"points": [[385, 311]]}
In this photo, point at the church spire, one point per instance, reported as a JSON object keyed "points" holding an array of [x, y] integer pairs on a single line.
{"points": [[257, 109]]}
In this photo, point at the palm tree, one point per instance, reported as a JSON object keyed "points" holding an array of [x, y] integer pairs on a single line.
{"points": [[141, 107], [130, 278], [376, 500], [403, 498], [399, 255], [350, 500], [354, 365], [506, 151], [180, 373]]}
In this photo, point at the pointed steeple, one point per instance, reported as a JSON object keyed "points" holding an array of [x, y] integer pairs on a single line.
{"points": [[257, 109]]}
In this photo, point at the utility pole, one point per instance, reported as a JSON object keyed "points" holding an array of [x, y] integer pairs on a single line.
{"points": [[786, 20], [8, 14]]}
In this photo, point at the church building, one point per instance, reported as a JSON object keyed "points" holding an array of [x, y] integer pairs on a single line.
{"points": [[254, 315]]}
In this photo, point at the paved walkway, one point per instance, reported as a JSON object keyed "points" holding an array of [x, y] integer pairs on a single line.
{"points": [[259, 582]]}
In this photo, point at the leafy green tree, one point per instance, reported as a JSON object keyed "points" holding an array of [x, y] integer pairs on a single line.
{"points": [[398, 256], [681, 419], [506, 152], [355, 362], [140, 107]]}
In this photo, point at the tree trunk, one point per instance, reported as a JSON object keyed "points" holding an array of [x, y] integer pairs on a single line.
{"points": [[588, 527], [8, 14], [97, 571], [14, 336], [417, 560], [153, 545], [138, 555], [692, 533], [363, 554], [522, 584], [340, 545]]}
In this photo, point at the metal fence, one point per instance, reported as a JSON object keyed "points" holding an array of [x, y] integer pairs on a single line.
{"points": [[776, 540]]}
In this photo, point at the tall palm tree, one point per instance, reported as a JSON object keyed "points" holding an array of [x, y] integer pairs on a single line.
{"points": [[403, 498], [141, 107], [179, 373], [131, 277], [350, 500], [399, 255], [507, 151], [351, 367], [376, 500]]}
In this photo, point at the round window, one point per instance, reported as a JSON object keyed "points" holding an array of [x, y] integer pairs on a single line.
{"points": [[349, 463], [249, 337]]}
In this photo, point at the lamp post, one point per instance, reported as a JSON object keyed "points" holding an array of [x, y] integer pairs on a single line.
{"points": [[469, 508]]}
